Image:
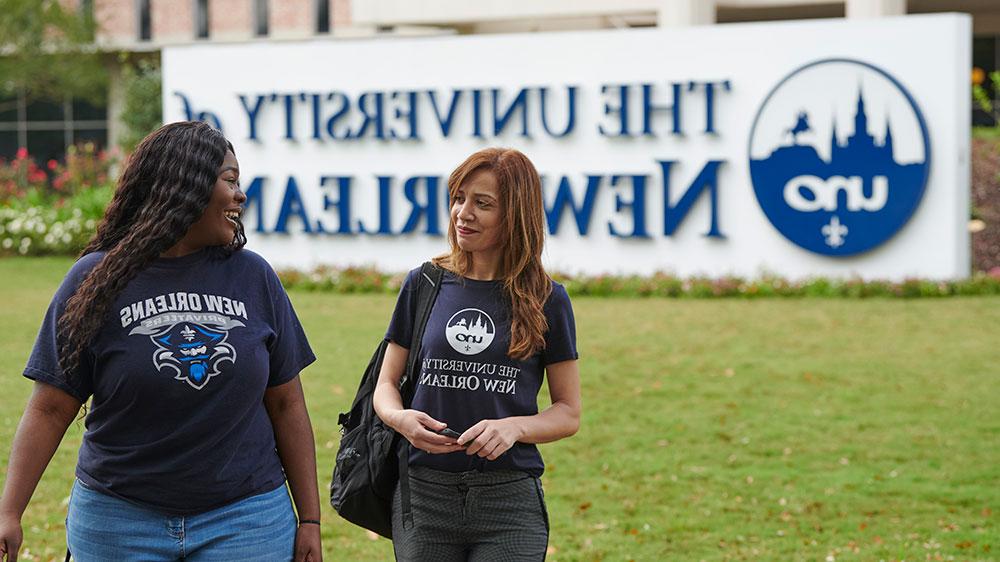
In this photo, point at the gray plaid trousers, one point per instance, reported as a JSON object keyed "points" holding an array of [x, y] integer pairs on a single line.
{"points": [[471, 516]]}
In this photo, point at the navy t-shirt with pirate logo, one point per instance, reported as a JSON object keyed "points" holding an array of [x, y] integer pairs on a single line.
{"points": [[465, 373], [177, 376]]}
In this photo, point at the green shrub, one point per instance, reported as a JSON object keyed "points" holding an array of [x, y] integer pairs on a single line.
{"points": [[20, 175], [661, 284], [55, 209], [24, 183], [142, 90], [32, 230]]}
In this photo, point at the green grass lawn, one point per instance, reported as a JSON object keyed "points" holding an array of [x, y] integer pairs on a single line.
{"points": [[713, 429]]}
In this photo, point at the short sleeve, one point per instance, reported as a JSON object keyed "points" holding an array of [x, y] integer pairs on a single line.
{"points": [[43, 363], [560, 340], [288, 350], [400, 329]]}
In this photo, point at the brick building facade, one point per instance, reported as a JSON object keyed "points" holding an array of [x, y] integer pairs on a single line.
{"points": [[143, 27]]}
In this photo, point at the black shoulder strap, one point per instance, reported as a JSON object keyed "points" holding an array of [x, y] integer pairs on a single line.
{"points": [[430, 284], [427, 290]]}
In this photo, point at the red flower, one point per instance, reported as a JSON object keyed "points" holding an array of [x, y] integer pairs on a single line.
{"points": [[52, 164], [22, 153]]}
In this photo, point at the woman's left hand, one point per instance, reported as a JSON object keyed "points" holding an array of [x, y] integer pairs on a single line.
{"points": [[491, 438], [307, 544]]}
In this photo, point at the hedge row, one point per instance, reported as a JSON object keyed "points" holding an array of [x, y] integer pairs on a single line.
{"points": [[371, 280]]}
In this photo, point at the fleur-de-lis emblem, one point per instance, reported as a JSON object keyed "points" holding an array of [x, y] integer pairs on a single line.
{"points": [[834, 232]]}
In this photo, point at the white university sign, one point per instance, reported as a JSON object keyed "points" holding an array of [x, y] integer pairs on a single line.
{"points": [[837, 148]]}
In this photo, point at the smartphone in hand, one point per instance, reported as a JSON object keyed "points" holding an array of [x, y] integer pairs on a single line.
{"points": [[448, 432]]}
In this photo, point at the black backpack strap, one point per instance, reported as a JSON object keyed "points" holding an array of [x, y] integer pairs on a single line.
{"points": [[429, 285], [427, 290]]}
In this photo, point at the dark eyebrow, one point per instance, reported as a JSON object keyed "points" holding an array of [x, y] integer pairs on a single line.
{"points": [[228, 168]]}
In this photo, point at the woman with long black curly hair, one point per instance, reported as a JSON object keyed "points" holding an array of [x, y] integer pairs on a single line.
{"points": [[189, 351]]}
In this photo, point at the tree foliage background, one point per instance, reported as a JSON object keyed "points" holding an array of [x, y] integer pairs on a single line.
{"points": [[142, 112], [47, 51]]}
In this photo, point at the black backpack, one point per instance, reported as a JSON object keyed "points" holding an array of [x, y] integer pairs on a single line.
{"points": [[372, 457]]}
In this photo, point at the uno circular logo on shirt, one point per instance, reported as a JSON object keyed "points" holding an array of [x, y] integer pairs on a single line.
{"points": [[470, 331], [839, 156]]}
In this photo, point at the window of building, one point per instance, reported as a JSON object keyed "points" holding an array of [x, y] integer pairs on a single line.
{"points": [[46, 129], [260, 23], [87, 9], [793, 11], [145, 23], [201, 19], [322, 16], [985, 55], [10, 137]]}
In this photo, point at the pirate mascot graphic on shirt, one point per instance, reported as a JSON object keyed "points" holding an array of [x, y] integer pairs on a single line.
{"points": [[194, 351]]}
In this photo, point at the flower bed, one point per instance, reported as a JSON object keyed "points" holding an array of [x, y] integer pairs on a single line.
{"points": [[52, 209]]}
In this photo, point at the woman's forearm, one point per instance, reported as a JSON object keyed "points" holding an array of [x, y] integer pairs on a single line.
{"points": [[386, 399], [293, 437], [562, 418], [297, 451], [387, 402], [491, 438], [558, 421], [46, 417]]}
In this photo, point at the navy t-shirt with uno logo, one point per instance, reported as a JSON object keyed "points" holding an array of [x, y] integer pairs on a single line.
{"points": [[466, 375], [177, 377]]}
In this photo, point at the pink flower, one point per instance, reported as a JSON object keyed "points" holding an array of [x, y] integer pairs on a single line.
{"points": [[994, 272], [52, 164], [22, 153]]}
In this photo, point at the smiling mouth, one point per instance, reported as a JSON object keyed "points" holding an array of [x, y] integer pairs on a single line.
{"points": [[233, 217]]}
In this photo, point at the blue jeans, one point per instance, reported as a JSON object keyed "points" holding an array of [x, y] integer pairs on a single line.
{"points": [[100, 527]]}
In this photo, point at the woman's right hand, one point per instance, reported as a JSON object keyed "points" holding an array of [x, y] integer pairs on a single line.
{"points": [[11, 536], [419, 429]]}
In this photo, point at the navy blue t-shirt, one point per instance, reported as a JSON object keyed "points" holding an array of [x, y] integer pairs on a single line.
{"points": [[177, 378], [466, 375]]}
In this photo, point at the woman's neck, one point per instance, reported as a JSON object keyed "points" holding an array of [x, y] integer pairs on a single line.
{"points": [[484, 266], [181, 249]]}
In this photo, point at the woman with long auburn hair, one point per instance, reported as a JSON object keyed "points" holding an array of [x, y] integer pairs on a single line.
{"points": [[189, 352], [498, 327]]}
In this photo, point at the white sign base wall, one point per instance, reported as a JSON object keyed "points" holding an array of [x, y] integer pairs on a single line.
{"points": [[828, 147]]}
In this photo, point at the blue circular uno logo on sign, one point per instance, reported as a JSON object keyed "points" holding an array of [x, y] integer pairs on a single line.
{"points": [[839, 156]]}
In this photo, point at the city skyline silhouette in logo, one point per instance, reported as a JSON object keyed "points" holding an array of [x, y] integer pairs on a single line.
{"points": [[850, 201], [470, 331]]}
